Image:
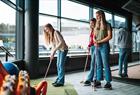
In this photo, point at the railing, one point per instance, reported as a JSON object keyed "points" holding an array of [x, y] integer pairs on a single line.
{"points": [[7, 53]]}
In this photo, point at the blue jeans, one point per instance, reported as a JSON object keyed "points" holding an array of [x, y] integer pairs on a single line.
{"points": [[61, 57], [103, 55], [92, 64], [123, 53]]}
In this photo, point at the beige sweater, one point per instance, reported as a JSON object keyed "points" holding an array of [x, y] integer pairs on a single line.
{"points": [[59, 42]]}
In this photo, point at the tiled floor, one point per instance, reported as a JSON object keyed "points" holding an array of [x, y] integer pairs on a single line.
{"points": [[120, 86], [133, 72]]}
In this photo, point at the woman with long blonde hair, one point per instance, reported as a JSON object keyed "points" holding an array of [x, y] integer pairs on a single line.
{"points": [[55, 39], [103, 33]]}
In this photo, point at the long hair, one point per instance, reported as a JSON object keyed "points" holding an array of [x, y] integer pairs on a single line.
{"points": [[49, 37], [102, 25]]}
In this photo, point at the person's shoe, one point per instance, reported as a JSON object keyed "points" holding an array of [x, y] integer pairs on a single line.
{"points": [[58, 85], [54, 82], [97, 84], [108, 86], [87, 83]]}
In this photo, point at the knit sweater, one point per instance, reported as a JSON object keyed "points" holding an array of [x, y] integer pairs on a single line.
{"points": [[59, 42]]}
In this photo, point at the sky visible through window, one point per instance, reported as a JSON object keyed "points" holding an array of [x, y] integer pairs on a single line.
{"points": [[7, 15], [6, 11]]}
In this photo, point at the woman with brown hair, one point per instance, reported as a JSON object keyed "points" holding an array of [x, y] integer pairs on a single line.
{"points": [[103, 33], [55, 39], [92, 73]]}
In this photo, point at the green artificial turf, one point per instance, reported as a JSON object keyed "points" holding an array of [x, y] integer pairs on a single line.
{"points": [[67, 89]]}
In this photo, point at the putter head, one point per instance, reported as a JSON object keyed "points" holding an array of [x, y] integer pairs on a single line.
{"points": [[93, 86]]}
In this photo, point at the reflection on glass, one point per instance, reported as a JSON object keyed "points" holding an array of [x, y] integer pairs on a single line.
{"points": [[7, 29], [48, 7], [74, 10]]}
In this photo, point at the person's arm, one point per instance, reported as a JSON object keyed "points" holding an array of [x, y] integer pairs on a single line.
{"points": [[94, 40], [108, 37], [90, 41]]}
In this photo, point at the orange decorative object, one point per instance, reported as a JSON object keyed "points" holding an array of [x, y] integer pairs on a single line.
{"points": [[23, 86], [10, 85], [41, 88]]}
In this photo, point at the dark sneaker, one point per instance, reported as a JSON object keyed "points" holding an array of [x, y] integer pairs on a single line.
{"points": [[54, 82], [87, 83], [58, 85], [97, 84], [108, 86]]}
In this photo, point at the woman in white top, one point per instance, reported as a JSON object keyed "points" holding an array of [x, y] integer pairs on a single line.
{"points": [[55, 39]]}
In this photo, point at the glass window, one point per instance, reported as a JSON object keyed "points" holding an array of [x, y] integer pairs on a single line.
{"points": [[135, 41], [135, 38], [14, 1], [7, 29], [94, 12], [137, 46], [108, 17], [48, 7], [74, 10], [76, 35], [43, 49], [119, 21], [113, 41], [109, 20]]}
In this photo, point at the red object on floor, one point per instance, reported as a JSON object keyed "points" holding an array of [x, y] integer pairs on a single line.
{"points": [[41, 88], [3, 73]]}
